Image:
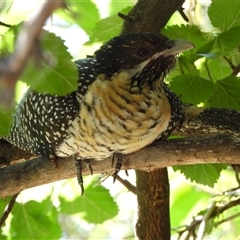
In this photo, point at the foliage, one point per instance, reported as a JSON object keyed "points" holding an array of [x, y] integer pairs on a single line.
{"points": [[205, 75]]}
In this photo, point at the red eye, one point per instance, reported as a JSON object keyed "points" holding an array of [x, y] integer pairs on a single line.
{"points": [[142, 52]]}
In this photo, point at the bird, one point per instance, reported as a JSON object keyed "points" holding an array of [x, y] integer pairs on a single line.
{"points": [[121, 105]]}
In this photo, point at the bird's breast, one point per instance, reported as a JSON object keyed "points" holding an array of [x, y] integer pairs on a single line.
{"points": [[115, 117]]}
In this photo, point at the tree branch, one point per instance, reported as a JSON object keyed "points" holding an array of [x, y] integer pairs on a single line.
{"points": [[151, 15], [212, 149]]}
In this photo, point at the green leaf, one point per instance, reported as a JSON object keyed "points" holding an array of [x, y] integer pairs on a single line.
{"points": [[5, 121], [3, 203], [224, 14], [107, 28], [217, 68], [96, 205], [57, 76], [222, 45], [34, 220], [184, 66], [226, 94], [7, 41], [191, 33], [192, 88], [83, 13], [2, 237], [206, 174]]}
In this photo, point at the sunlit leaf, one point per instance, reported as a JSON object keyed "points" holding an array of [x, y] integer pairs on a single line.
{"points": [[34, 220], [96, 204], [56, 75], [206, 174], [7, 40], [224, 14]]}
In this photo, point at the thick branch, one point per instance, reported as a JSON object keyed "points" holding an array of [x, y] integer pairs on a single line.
{"points": [[151, 15], [213, 149]]}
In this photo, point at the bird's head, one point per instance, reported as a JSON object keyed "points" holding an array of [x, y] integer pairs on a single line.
{"points": [[145, 56]]}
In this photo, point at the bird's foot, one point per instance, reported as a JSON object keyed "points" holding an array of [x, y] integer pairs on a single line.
{"points": [[88, 163], [78, 165], [118, 164]]}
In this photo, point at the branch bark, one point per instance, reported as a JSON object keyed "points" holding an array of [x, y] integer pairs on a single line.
{"points": [[161, 154]]}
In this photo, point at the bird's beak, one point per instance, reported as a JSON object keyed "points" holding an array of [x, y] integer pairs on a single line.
{"points": [[175, 47]]}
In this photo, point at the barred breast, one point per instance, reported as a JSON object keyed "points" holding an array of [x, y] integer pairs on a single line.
{"points": [[116, 117]]}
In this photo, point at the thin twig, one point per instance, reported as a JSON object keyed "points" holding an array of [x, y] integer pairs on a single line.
{"points": [[229, 63], [5, 24], [203, 224], [227, 219], [208, 71], [8, 210], [127, 184], [125, 17], [211, 213], [183, 15]]}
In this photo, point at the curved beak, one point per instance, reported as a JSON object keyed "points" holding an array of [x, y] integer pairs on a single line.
{"points": [[175, 47]]}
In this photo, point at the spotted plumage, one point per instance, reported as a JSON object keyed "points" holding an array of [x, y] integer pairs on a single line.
{"points": [[121, 104]]}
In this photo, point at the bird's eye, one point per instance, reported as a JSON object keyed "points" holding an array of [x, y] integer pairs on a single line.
{"points": [[169, 46], [141, 52]]}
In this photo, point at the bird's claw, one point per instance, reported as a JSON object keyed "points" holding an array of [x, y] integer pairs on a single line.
{"points": [[78, 166], [88, 163], [118, 164]]}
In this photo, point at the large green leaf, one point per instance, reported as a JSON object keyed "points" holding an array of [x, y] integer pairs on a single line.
{"points": [[56, 75], [206, 174], [35, 220], [224, 14], [227, 93], [192, 88], [96, 205]]}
